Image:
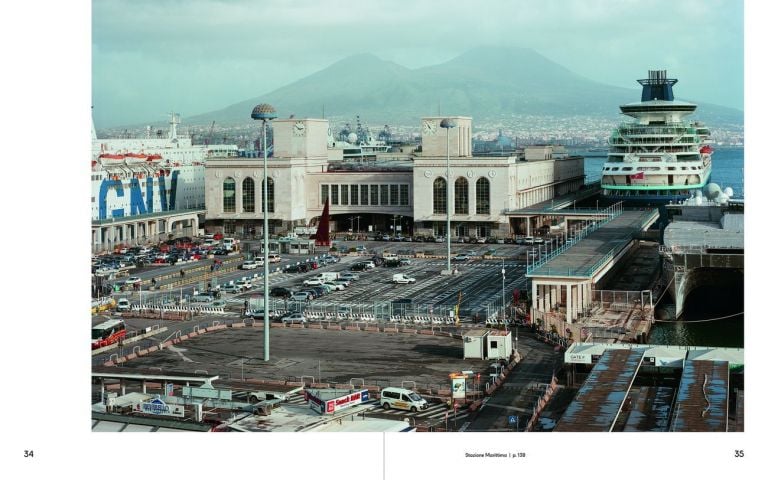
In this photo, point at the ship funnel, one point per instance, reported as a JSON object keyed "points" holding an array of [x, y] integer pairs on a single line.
{"points": [[657, 86]]}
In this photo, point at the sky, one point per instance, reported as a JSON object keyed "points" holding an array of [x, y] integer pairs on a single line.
{"points": [[150, 57]]}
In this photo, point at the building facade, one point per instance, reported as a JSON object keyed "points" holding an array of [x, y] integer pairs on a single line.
{"points": [[406, 196]]}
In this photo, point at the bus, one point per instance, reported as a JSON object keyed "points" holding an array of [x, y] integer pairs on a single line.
{"points": [[107, 333]]}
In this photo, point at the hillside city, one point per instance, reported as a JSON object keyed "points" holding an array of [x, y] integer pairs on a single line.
{"points": [[577, 131]]}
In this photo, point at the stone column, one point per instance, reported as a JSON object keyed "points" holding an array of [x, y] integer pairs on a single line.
{"points": [[534, 299], [569, 307]]}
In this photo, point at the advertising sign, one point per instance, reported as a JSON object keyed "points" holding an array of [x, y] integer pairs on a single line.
{"points": [[159, 407], [346, 401], [458, 387], [322, 406]]}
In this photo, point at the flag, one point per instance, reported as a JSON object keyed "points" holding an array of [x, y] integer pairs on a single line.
{"points": [[638, 176]]}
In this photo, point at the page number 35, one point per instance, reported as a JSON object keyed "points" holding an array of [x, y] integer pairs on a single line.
{"points": [[738, 453]]}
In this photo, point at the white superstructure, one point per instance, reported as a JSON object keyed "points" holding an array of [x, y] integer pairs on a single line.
{"points": [[137, 176], [660, 156]]}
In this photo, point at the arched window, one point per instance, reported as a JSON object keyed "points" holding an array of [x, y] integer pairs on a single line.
{"points": [[483, 196], [462, 196], [439, 195], [270, 195], [229, 195], [249, 195]]}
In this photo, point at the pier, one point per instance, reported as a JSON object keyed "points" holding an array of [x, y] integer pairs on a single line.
{"points": [[563, 279]]}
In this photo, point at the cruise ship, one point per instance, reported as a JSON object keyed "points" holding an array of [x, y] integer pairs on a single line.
{"points": [[138, 176], [659, 157]]}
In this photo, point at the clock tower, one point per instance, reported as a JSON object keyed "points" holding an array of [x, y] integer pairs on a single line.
{"points": [[300, 138], [433, 141]]}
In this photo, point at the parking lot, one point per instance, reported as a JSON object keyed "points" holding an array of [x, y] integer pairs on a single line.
{"points": [[476, 289]]}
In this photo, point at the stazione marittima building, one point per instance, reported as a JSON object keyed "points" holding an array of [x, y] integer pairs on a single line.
{"points": [[403, 192]]}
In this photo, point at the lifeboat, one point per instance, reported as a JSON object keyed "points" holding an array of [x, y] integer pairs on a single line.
{"points": [[111, 159], [706, 149], [154, 158], [134, 158]]}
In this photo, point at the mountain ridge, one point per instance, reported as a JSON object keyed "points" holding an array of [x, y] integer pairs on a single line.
{"points": [[483, 82]]}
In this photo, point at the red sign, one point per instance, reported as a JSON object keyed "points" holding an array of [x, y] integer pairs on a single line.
{"points": [[455, 406]]}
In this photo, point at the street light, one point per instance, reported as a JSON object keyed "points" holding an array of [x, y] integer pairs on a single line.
{"points": [[448, 124], [265, 112], [503, 296]]}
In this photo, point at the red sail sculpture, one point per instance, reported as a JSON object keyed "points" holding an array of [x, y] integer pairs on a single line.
{"points": [[321, 237]]}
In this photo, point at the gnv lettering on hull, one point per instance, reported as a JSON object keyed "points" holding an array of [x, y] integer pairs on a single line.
{"points": [[137, 204]]}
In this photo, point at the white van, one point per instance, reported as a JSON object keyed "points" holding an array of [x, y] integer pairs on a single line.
{"points": [[229, 243], [402, 278], [123, 305], [402, 398], [327, 276]]}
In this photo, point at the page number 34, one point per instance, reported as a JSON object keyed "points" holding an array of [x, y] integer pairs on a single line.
{"points": [[29, 453]]}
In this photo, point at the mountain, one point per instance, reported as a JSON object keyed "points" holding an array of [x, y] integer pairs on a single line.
{"points": [[485, 83]]}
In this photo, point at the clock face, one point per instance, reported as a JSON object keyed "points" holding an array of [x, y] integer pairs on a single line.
{"points": [[298, 129], [430, 127]]}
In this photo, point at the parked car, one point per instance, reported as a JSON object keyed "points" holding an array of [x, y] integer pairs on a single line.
{"points": [[251, 264], [312, 282], [259, 313], [274, 258], [293, 317], [317, 291], [336, 285], [231, 288], [342, 282], [460, 258], [280, 292], [244, 284], [405, 261], [402, 278], [349, 276], [132, 280], [303, 296]]}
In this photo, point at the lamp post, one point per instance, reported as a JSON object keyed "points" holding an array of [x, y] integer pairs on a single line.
{"points": [[265, 112], [448, 124], [503, 296]]}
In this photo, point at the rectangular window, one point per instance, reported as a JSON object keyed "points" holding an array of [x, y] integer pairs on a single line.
{"points": [[494, 344], [323, 194], [363, 194], [403, 194], [345, 194], [393, 195], [384, 195], [353, 194], [334, 194], [374, 194]]}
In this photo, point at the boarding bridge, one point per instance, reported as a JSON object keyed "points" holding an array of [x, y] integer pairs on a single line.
{"points": [[565, 276]]}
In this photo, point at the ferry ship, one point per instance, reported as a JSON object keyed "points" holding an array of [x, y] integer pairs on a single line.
{"points": [[138, 176], [659, 157]]}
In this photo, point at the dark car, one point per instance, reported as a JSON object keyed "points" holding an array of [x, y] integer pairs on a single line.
{"points": [[358, 267], [317, 291], [280, 292]]}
